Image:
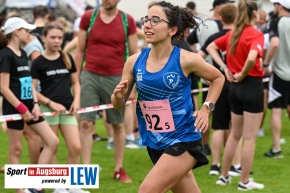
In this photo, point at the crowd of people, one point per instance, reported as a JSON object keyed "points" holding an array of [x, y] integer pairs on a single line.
{"points": [[238, 56]]}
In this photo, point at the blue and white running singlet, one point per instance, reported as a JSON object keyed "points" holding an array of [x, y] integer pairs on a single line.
{"points": [[171, 89]]}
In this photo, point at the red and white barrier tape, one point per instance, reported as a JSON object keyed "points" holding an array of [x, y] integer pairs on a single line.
{"points": [[16, 117], [199, 90]]}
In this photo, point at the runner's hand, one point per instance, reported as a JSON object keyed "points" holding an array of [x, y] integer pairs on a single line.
{"points": [[121, 90], [201, 119]]}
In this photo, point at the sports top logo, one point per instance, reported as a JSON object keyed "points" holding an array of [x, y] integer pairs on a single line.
{"points": [[171, 79]]}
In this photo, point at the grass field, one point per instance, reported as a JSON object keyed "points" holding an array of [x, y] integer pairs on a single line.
{"points": [[274, 173]]}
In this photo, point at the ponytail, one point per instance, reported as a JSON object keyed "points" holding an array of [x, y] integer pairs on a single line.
{"points": [[4, 40], [66, 59], [244, 17]]}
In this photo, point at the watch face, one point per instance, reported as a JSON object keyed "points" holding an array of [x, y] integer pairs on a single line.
{"points": [[211, 106]]}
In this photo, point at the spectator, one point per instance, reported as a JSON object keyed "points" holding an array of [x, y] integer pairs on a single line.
{"points": [[191, 7], [261, 25], [41, 16], [19, 95], [279, 86], [211, 26], [114, 40], [244, 49], [56, 96], [221, 116], [33, 48]]}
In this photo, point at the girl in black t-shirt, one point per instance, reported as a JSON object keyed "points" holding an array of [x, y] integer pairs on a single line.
{"points": [[56, 73], [19, 94]]}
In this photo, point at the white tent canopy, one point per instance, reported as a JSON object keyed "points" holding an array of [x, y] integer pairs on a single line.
{"points": [[29, 3], [77, 5]]}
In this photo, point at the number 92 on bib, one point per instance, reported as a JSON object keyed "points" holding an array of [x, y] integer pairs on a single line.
{"points": [[157, 115]]}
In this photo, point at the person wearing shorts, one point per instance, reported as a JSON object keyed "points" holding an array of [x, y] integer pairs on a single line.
{"points": [[221, 116], [19, 94], [244, 49], [60, 93], [33, 49], [167, 124], [279, 85], [105, 45]]}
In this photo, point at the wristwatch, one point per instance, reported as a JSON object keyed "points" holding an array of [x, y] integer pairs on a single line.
{"points": [[209, 105]]}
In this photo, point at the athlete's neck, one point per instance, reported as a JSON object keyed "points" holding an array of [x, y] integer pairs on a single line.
{"points": [[161, 51]]}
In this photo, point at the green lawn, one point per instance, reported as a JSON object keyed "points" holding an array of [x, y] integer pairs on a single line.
{"points": [[274, 173]]}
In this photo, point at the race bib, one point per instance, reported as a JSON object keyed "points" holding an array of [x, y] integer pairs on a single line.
{"points": [[26, 87], [158, 115]]}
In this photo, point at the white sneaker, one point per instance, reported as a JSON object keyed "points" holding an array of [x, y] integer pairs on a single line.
{"points": [[60, 190], [235, 171], [282, 141], [110, 145], [214, 170], [132, 145], [261, 132], [250, 185], [223, 180], [77, 190]]}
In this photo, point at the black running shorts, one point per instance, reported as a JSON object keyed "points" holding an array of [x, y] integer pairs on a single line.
{"points": [[194, 148]]}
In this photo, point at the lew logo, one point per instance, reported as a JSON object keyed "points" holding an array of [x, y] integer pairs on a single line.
{"points": [[171, 79], [51, 176]]}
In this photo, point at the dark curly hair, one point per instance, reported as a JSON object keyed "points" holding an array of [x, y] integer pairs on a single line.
{"points": [[179, 17]]}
